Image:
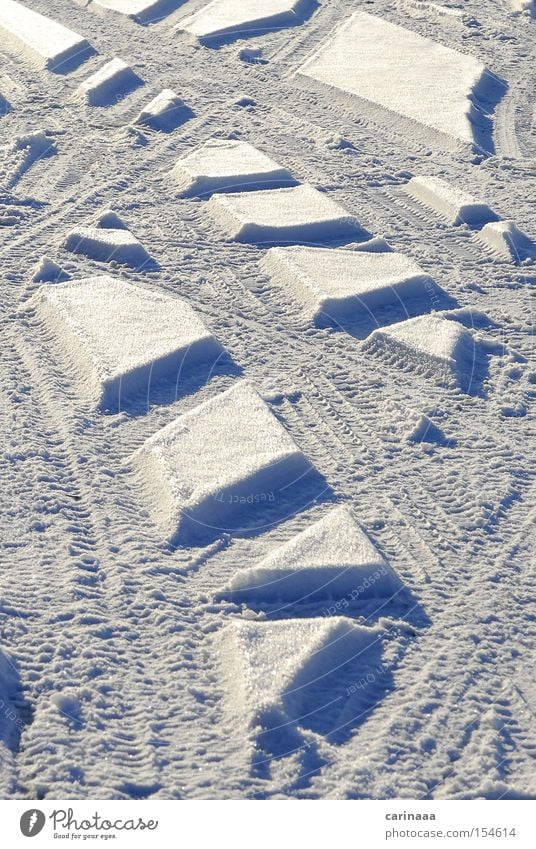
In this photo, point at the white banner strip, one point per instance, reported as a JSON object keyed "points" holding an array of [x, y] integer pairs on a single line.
{"points": [[244, 824]]}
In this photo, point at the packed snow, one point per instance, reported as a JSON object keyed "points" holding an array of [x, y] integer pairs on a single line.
{"points": [[142, 11], [164, 112], [48, 271], [282, 215], [116, 338], [242, 17], [330, 559], [45, 42], [506, 240], [251, 550], [108, 245], [333, 284], [217, 467], [227, 165], [114, 80], [428, 343], [451, 202], [402, 71], [303, 652]]}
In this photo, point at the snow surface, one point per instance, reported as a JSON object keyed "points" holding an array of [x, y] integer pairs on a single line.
{"points": [[282, 215], [227, 165], [107, 245], [332, 284], [205, 471], [47, 43], [427, 343], [330, 559], [163, 112], [523, 6], [116, 338], [451, 202], [303, 652], [112, 81], [241, 17], [48, 271], [117, 687], [507, 240], [143, 11], [401, 71]]}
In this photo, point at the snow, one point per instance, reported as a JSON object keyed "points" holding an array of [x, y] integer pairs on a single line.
{"points": [[227, 165], [110, 83], [108, 245], [115, 338], [241, 17], [142, 11], [332, 284], [428, 343], [43, 41], [48, 271], [164, 112], [206, 470], [436, 469], [17, 156], [109, 219], [330, 559], [282, 215], [402, 71], [302, 651], [507, 240], [451, 202], [523, 6]]}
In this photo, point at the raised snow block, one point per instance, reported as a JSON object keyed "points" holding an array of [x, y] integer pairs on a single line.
{"points": [[335, 284], [115, 337], [225, 165], [141, 11], [164, 112], [429, 344], [507, 240], [452, 203], [215, 468], [109, 219], [275, 670], [282, 215], [402, 72], [48, 271], [46, 43], [333, 558], [524, 6], [242, 18], [109, 84], [108, 245]]}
